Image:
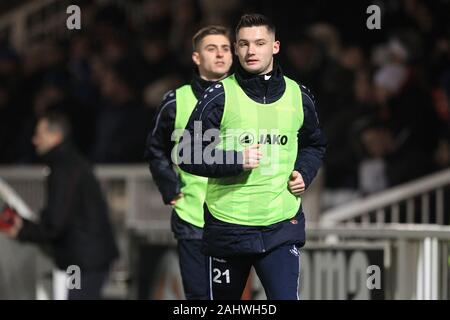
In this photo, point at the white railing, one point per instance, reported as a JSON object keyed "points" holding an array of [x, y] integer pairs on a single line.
{"points": [[416, 254], [130, 191], [134, 203], [418, 201], [33, 19]]}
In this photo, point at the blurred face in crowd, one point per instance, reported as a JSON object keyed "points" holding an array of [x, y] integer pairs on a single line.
{"points": [[378, 142], [255, 47], [213, 57], [45, 138]]}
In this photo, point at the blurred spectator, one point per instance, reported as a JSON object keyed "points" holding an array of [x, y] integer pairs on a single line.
{"points": [[376, 143], [9, 126], [122, 120], [110, 75], [74, 228], [304, 60]]}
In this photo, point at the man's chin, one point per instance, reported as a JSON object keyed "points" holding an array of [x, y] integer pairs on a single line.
{"points": [[42, 152], [252, 69], [220, 72]]}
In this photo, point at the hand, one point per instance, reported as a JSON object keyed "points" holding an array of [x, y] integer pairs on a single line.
{"points": [[251, 156], [296, 184], [174, 200], [14, 230]]}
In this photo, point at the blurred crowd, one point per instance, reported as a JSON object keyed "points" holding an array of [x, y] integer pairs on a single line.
{"points": [[383, 95]]}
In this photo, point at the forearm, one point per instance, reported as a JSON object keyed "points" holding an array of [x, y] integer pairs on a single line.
{"points": [[159, 148], [311, 141], [165, 179], [200, 159], [198, 150], [309, 161], [36, 233]]}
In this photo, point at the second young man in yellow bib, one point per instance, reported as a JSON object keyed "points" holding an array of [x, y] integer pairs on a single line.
{"points": [[183, 191]]}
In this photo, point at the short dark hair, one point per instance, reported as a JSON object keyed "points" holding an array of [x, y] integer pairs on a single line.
{"points": [[206, 31], [58, 121], [255, 20]]}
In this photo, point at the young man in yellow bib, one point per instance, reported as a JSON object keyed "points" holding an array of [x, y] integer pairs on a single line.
{"points": [[256, 136], [183, 191]]}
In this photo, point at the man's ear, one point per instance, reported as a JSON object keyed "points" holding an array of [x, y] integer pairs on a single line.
{"points": [[235, 48], [196, 58], [276, 47]]}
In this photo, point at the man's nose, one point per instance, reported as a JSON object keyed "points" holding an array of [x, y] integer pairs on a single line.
{"points": [[220, 53], [251, 50]]}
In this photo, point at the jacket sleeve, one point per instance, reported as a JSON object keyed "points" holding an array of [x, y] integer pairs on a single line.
{"points": [[56, 217], [196, 149], [311, 140], [159, 147]]}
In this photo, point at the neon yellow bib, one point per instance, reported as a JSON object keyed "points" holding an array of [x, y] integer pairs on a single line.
{"points": [[190, 206], [259, 197]]}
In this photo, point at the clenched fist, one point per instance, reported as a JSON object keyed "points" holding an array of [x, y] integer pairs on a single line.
{"points": [[251, 156], [296, 184], [178, 196]]}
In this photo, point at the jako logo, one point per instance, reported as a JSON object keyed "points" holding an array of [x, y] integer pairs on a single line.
{"points": [[246, 139], [273, 139]]}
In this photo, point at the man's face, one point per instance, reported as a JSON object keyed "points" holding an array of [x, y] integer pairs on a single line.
{"points": [[45, 139], [213, 57], [255, 47]]}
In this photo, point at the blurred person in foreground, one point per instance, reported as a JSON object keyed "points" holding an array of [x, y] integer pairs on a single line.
{"points": [[74, 226]]}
